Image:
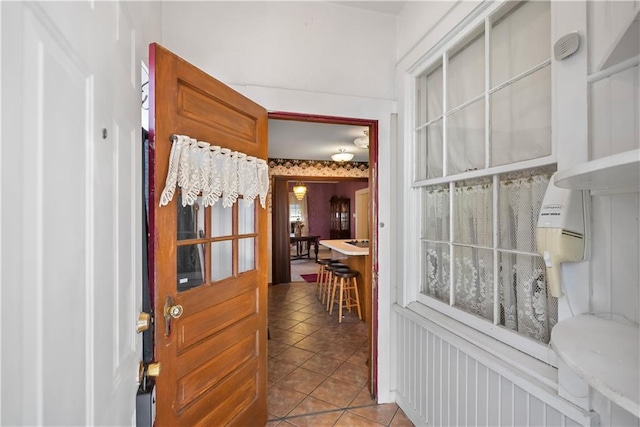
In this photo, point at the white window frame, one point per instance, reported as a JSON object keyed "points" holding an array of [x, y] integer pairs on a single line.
{"points": [[435, 57]]}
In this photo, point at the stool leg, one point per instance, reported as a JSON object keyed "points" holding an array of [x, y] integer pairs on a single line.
{"points": [[355, 288], [332, 287], [319, 281], [341, 300], [347, 296], [326, 286]]}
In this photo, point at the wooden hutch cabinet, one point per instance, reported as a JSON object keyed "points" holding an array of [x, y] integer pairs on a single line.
{"points": [[340, 218]]}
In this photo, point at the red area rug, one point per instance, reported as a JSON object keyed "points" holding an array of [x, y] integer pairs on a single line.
{"points": [[310, 278]]}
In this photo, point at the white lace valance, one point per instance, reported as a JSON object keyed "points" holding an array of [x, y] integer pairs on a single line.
{"points": [[198, 167]]}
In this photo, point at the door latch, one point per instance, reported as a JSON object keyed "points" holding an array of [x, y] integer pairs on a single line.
{"points": [[171, 311]]}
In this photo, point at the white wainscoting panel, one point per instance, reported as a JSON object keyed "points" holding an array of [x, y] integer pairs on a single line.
{"points": [[442, 384]]}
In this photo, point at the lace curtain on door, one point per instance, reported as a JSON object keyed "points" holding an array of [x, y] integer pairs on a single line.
{"points": [[216, 173]]}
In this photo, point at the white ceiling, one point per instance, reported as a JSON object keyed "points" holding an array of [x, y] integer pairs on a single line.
{"points": [[389, 7], [313, 141]]}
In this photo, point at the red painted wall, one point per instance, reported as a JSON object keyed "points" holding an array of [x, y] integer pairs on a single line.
{"points": [[318, 204], [318, 208]]}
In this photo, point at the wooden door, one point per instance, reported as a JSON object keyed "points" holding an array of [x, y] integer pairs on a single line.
{"points": [[211, 261]]}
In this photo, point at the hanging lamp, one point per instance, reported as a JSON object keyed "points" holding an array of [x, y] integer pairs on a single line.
{"points": [[342, 156], [299, 190]]}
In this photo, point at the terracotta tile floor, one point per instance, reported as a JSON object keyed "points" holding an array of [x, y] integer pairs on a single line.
{"points": [[318, 373]]}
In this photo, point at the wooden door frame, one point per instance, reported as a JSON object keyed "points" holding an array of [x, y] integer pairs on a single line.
{"points": [[372, 125]]}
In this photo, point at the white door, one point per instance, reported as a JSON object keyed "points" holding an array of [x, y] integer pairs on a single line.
{"points": [[70, 219]]}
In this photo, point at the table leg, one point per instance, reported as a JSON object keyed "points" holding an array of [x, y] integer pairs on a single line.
{"points": [[315, 244]]}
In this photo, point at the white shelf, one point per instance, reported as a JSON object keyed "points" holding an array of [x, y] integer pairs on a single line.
{"points": [[617, 173], [605, 354], [626, 45]]}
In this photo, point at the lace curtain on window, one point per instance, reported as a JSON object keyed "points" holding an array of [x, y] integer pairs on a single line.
{"points": [[298, 211], [525, 305], [473, 274], [436, 229]]}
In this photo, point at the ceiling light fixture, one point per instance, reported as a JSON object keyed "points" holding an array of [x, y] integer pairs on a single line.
{"points": [[342, 156], [299, 190], [363, 141]]}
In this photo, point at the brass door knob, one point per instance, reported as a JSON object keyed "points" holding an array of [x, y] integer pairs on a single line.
{"points": [[153, 369], [175, 311], [171, 311]]}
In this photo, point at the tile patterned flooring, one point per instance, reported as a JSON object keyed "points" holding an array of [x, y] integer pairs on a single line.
{"points": [[318, 373]]}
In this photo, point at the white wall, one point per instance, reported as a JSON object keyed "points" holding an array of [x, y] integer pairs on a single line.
{"points": [[588, 122]]}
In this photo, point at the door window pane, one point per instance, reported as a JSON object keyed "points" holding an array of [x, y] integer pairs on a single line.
{"points": [[520, 40], [465, 134], [466, 73], [221, 260], [190, 220], [521, 119], [190, 266], [246, 254], [246, 217], [221, 220]]}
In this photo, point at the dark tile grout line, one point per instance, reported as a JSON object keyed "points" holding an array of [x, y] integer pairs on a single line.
{"points": [[328, 411]]}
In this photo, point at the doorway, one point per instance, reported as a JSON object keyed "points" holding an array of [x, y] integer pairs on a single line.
{"points": [[280, 219]]}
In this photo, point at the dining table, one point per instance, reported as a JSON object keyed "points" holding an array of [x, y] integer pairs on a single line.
{"points": [[304, 243]]}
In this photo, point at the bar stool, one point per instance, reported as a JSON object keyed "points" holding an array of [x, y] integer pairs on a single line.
{"points": [[347, 284], [327, 284], [322, 263]]}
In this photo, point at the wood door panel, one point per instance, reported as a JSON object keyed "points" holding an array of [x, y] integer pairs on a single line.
{"points": [[204, 297], [214, 362], [207, 322], [227, 120], [199, 380], [209, 349], [225, 401]]}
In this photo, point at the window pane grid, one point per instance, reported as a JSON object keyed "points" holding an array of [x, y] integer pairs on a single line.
{"points": [[478, 239]]}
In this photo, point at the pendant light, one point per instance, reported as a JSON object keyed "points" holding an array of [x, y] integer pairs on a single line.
{"points": [[299, 190], [342, 156]]}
